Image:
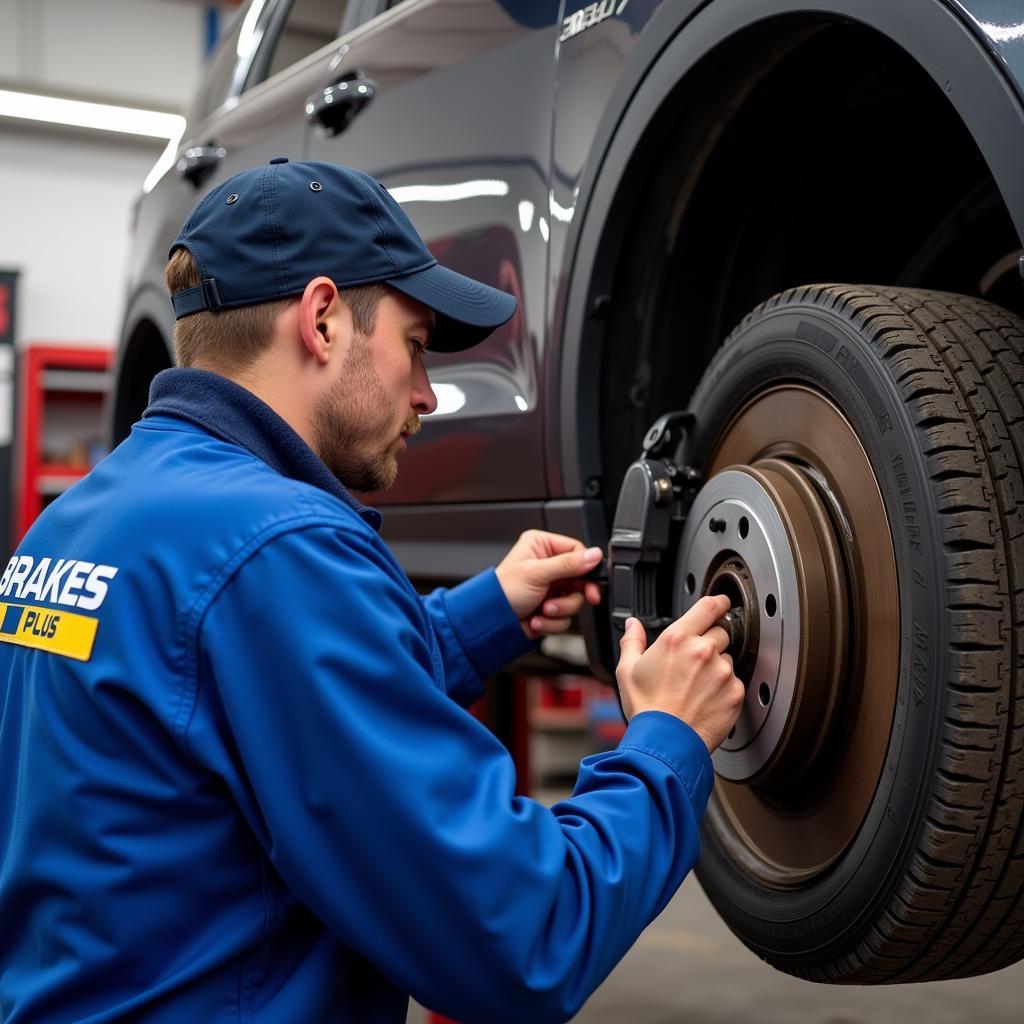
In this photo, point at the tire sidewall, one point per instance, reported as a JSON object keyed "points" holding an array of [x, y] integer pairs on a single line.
{"points": [[800, 342]]}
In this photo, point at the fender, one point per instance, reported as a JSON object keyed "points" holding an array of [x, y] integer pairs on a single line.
{"points": [[150, 305], [981, 74]]}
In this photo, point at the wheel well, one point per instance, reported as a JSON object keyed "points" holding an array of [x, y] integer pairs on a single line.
{"points": [[145, 355], [805, 150]]}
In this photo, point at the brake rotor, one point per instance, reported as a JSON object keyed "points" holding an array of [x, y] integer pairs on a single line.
{"points": [[791, 525], [761, 535]]}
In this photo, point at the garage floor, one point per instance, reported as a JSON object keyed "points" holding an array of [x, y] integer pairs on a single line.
{"points": [[687, 968]]}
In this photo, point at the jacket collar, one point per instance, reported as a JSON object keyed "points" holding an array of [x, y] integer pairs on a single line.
{"points": [[230, 412]]}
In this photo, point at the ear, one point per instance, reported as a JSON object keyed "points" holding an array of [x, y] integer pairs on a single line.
{"points": [[320, 323]]}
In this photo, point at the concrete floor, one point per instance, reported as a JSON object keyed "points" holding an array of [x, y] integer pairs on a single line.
{"points": [[688, 968]]}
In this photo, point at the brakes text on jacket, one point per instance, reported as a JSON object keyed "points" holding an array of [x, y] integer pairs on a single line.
{"points": [[64, 581]]}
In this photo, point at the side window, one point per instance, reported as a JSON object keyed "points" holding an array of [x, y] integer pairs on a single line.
{"points": [[232, 59], [309, 25]]}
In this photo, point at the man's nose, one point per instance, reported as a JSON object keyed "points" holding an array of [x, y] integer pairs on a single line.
{"points": [[424, 401]]}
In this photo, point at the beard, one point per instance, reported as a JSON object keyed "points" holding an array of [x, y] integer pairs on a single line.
{"points": [[353, 425]]}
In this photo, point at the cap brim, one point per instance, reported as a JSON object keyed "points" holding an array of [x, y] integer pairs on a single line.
{"points": [[467, 311]]}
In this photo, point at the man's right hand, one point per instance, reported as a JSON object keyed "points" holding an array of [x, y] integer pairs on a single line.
{"points": [[685, 672]]}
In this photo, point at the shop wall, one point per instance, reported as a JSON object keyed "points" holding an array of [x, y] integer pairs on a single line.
{"points": [[66, 194], [65, 205]]}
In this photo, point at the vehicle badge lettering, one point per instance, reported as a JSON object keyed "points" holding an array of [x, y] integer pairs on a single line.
{"points": [[589, 16]]}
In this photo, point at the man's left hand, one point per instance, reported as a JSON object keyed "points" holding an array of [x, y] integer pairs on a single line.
{"points": [[540, 577]]}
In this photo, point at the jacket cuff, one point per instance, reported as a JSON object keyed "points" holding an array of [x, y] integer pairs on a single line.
{"points": [[485, 623], [676, 744]]}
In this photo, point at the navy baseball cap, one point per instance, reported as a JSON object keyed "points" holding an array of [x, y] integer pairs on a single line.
{"points": [[266, 232]]}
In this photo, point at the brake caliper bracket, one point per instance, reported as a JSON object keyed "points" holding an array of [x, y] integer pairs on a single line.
{"points": [[656, 494]]}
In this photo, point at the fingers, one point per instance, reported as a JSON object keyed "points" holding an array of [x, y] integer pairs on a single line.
{"points": [[563, 607], [556, 614], [566, 565], [631, 646], [557, 543], [588, 588], [720, 637], [548, 627], [703, 615], [543, 544]]}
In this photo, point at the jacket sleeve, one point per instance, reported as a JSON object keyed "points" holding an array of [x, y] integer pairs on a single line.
{"points": [[477, 631], [390, 812]]}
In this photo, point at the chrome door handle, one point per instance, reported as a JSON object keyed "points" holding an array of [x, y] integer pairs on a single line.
{"points": [[196, 164], [333, 109]]}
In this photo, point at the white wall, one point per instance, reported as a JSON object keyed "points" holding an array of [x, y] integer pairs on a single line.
{"points": [[65, 204], [145, 52], [66, 197]]}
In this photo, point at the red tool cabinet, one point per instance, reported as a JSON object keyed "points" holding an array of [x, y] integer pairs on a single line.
{"points": [[62, 389]]}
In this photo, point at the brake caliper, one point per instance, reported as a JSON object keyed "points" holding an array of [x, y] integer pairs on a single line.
{"points": [[657, 492]]}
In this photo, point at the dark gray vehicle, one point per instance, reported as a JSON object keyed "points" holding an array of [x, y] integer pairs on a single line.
{"points": [[664, 186]]}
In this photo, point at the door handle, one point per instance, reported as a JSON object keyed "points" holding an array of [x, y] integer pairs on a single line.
{"points": [[333, 109], [197, 162]]}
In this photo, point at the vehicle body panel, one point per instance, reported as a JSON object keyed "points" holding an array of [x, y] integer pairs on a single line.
{"points": [[464, 154], [1000, 23]]}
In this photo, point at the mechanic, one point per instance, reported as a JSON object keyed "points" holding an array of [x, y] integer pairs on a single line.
{"points": [[237, 779]]}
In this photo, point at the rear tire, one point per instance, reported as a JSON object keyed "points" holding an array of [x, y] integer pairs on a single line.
{"points": [[929, 884]]}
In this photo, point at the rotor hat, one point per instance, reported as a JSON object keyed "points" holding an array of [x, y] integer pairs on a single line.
{"points": [[265, 232]]}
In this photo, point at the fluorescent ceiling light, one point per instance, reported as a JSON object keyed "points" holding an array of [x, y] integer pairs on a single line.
{"points": [[81, 114], [164, 163], [448, 193]]}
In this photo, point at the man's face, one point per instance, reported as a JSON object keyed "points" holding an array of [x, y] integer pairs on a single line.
{"points": [[376, 401]]}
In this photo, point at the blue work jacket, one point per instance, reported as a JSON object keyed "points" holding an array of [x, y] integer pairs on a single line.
{"points": [[237, 780]]}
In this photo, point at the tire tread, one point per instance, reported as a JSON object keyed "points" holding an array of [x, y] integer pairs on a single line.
{"points": [[956, 362]]}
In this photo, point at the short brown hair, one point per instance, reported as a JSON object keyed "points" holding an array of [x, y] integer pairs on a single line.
{"points": [[231, 339]]}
